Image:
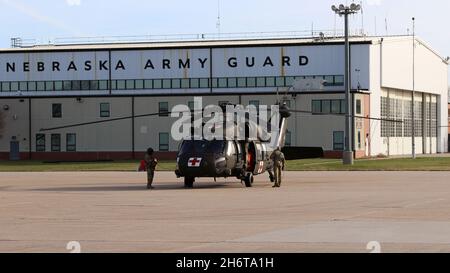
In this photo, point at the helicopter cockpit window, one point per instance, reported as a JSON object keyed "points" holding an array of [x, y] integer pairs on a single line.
{"points": [[216, 146]]}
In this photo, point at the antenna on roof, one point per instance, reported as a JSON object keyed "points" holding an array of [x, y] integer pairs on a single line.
{"points": [[218, 17]]}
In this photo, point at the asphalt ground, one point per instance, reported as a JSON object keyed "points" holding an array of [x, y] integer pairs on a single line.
{"points": [[311, 212]]}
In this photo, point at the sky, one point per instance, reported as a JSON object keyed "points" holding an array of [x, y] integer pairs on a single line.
{"points": [[45, 20]]}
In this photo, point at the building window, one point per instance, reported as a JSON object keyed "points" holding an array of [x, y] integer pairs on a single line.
{"points": [[254, 103], [5, 87], [176, 83], [40, 86], [67, 85], [40, 143], [280, 81], [407, 119], [358, 107], [71, 142], [148, 84], [195, 83], [139, 84], [261, 82], [326, 106], [185, 83], [105, 110], [166, 84], [316, 106], [223, 83], [338, 141], [191, 105], [85, 85], [163, 109], [57, 110], [242, 82], [164, 142], [270, 81], [14, 86], [32, 86], [336, 107], [339, 80], [76, 85], [343, 107], [93, 85], [121, 85], [204, 83], [384, 116], [23, 86], [251, 82], [58, 86], [418, 119], [130, 84], [288, 140], [56, 143], [290, 81], [157, 84]]}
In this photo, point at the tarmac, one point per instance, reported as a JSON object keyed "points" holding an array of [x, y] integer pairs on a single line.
{"points": [[311, 212]]}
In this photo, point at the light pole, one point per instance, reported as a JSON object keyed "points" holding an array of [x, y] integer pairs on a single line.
{"points": [[413, 112], [343, 10]]}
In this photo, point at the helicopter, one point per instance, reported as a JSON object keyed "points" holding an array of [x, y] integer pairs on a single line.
{"points": [[242, 159]]}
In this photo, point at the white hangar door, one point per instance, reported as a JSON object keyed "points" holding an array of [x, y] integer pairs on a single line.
{"points": [[430, 124]]}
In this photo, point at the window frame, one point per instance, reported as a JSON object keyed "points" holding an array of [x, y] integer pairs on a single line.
{"points": [[161, 111], [335, 143], [313, 108], [288, 137], [71, 147], [54, 110], [164, 147], [358, 106], [105, 113], [55, 137], [40, 147]]}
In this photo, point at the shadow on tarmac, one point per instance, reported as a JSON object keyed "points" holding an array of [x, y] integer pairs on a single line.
{"points": [[143, 187]]}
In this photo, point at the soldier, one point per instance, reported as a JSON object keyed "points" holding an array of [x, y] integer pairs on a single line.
{"points": [[150, 162], [278, 165]]}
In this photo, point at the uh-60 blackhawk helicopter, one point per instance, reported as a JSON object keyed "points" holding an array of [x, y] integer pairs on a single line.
{"points": [[242, 158]]}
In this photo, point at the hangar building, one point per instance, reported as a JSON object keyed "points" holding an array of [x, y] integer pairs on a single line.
{"points": [[47, 86]]}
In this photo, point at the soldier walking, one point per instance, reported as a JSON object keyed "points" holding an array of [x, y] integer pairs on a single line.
{"points": [[278, 160], [150, 162]]}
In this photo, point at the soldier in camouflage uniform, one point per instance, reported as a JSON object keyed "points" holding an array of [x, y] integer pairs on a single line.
{"points": [[150, 163], [278, 165]]}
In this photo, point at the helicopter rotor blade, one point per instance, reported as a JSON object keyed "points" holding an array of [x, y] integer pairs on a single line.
{"points": [[110, 120], [345, 115], [169, 113]]}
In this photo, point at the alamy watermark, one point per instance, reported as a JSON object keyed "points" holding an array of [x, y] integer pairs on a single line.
{"points": [[227, 122]]}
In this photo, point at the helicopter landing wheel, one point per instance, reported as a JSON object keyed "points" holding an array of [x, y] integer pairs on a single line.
{"points": [[189, 182], [248, 179]]}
